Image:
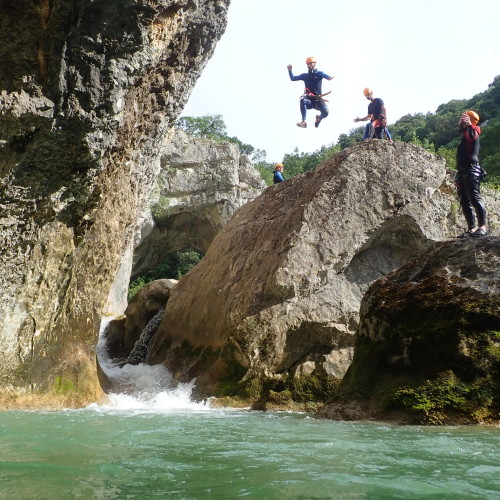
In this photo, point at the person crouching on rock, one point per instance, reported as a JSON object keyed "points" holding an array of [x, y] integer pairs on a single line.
{"points": [[278, 173], [470, 174]]}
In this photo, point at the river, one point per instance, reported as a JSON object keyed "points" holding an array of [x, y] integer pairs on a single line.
{"points": [[165, 446]]}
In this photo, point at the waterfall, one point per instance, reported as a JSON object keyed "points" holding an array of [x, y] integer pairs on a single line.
{"points": [[132, 375], [133, 384], [140, 351]]}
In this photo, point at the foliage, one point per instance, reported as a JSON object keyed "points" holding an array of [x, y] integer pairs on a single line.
{"points": [[266, 171], [434, 397], [136, 285], [207, 126], [63, 386], [297, 163], [213, 127], [184, 262], [449, 155], [174, 266]]}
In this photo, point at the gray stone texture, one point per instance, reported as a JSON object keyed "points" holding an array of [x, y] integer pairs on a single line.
{"points": [[200, 185], [88, 92], [281, 285]]}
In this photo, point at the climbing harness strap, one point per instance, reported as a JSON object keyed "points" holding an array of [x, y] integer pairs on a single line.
{"points": [[307, 94]]}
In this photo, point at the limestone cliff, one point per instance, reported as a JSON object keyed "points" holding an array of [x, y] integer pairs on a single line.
{"points": [[200, 185], [428, 343], [279, 289], [89, 90]]}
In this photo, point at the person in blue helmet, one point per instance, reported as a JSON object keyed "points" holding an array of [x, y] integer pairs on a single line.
{"points": [[470, 174], [312, 98], [278, 174]]}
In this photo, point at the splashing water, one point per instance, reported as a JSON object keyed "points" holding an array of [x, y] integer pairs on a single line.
{"points": [[150, 388]]}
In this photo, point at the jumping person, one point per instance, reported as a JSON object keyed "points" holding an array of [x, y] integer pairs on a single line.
{"points": [[470, 174], [278, 173], [312, 98], [377, 115]]}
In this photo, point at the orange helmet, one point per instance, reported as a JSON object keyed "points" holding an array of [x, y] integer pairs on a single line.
{"points": [[367, 91], [310, 59], [474, 117]]}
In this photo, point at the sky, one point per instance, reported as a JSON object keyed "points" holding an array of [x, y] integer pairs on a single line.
{"points": [[414, 55]]}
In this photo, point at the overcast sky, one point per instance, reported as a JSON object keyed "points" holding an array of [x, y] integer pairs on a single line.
{"points": [[414, 55]]}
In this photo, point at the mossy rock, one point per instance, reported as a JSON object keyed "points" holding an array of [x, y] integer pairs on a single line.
{"points": [[428, 345]]}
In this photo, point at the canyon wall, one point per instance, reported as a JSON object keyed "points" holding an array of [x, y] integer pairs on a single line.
{"points": [[88, 92]]}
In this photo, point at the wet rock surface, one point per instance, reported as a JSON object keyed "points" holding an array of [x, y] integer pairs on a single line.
{"points": [[428, 343]]}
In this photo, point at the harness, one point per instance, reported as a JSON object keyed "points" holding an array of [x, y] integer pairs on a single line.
{"points": [[311, 95]]}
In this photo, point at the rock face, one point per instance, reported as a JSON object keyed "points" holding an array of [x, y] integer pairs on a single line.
{"points": [[122, 333], [428, 342], [89, 90], [279, 289], [200, 185]]}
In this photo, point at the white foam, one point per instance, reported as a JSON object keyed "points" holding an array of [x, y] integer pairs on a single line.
{"points": [[150, 388], [164, 401]]}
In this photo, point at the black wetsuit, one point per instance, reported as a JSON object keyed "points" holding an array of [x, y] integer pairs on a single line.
{"points": [[375, 109], [469, 176]]}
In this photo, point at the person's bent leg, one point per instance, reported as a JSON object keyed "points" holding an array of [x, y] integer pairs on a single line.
{"points": [[369, 131], [305, 104], [323, 109], [379, 132]]}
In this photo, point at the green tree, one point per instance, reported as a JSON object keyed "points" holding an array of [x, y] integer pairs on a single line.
{"points": [[297, 163], [213, 127], [173, 266], [266, 171], [207, 126], [355, 135]]}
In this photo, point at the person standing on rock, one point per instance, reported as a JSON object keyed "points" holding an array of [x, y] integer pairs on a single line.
{"points": [[278, 174], [470, 174], [312, 98], [377, 116]]}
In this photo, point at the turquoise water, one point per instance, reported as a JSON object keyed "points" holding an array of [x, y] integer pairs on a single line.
{"points": [[135, 450]]}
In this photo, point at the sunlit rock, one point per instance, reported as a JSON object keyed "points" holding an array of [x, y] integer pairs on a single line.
{"points": [[200, 185], [281, 284], [88, 93]]}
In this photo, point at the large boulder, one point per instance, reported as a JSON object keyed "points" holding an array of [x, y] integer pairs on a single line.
{"points": [[428, 342], [279, 289], [89, 90]]}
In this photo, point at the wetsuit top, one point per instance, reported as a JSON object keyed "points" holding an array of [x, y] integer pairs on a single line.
{"points": [[312, 80], [468, 148], [375, 108], [278, 177]]}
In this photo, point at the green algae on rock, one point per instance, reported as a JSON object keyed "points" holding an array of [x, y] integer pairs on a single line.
{"points": [[428, 344]]}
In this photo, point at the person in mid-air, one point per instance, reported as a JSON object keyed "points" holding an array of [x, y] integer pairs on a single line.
{"points": [[312, 98], [378, 118], [278, 173], [470, 174]]}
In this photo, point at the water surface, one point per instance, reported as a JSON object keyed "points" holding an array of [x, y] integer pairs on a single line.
{"points": [[168, 447]]}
